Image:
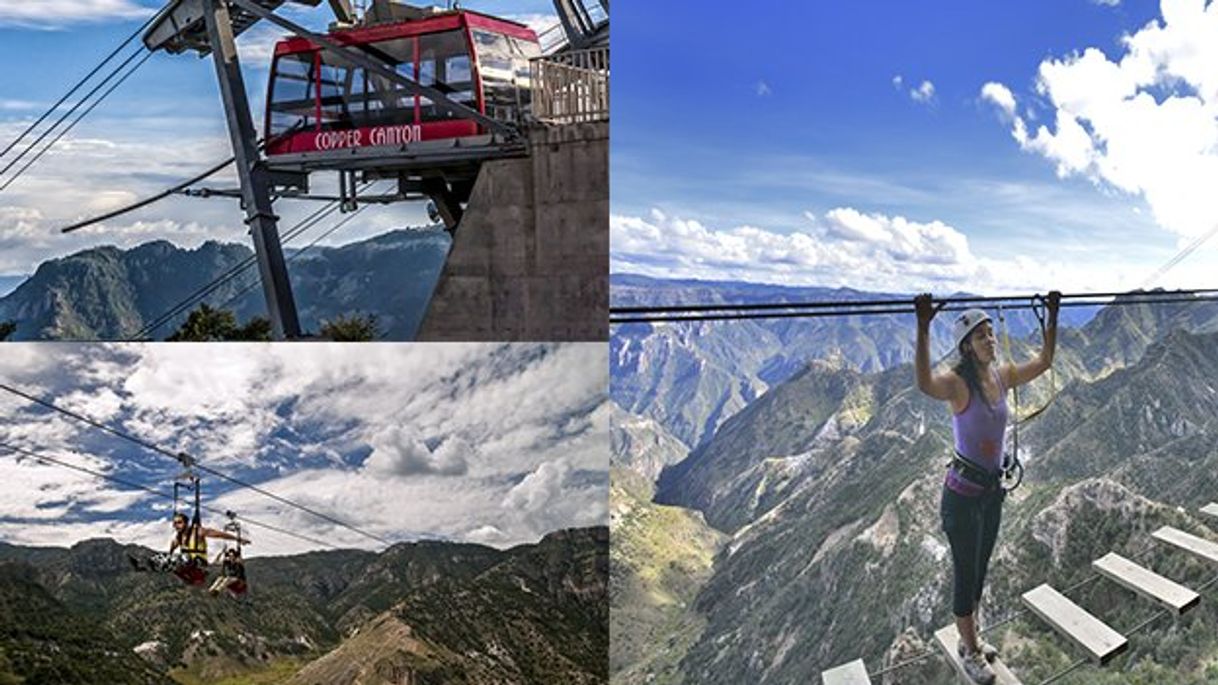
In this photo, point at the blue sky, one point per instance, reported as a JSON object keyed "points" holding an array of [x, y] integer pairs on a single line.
{"points": [[162, 126], [495, 444], [852, 144]]}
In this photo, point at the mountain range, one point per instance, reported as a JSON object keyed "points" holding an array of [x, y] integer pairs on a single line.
{"points": [[422, 613], [816, 504], [106, 293]]}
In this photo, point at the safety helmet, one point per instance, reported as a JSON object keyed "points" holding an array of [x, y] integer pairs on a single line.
{"points": [[966, 322]]}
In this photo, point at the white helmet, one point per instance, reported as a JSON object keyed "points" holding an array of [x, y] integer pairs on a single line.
{"points": [[966, 322]]}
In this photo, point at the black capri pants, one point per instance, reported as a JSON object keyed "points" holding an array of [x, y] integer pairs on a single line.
{"points": [[971, 524]]}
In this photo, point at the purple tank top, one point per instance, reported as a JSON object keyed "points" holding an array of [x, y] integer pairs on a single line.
{"points": [[980, 432]]}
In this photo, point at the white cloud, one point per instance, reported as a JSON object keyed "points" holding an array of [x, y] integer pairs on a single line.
{"points": [[763, 89], [56, 13], [843, 247], [1144, 122], [1000, 95], [898, 81], [924, 93], [539, 488]]}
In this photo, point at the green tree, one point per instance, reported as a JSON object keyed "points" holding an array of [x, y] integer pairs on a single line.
{"points": [[206, 324], [7, 328], [354, 328]]}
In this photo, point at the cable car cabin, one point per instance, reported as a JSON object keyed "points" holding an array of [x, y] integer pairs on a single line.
{"points": [[324, 114]]}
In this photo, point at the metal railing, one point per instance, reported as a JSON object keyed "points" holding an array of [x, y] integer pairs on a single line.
{"points": [[571, 87]]}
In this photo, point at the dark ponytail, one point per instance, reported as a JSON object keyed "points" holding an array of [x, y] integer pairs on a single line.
{"points": [[966, 368]]}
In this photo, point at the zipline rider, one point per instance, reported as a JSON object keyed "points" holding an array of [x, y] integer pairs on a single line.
{"points": [[971, 508]]}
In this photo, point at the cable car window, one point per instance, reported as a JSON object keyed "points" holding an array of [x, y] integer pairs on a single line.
{"points": [[334, 92], [444, 64], [496, 68], [292, 101]]}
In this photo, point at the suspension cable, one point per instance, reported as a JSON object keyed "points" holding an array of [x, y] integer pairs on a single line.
{"points": [[244, 265], [72, 111], [78, 85], [148, 200], [325, 234], [178, 456], [233, 272]]}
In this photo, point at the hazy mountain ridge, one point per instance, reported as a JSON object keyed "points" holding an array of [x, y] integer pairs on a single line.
{"points": [[106, 293], [534, 603]]}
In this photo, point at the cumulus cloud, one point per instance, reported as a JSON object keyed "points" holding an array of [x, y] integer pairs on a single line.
{"points": [[399, 451], [924, 93], [539, 488], [1000, 96], [1142, 122]]}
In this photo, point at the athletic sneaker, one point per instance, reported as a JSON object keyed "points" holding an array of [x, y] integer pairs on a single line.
{"points": [[978, 668], [989, 651]]}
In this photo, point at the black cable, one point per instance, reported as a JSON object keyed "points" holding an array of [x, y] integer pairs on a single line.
{"points": [[79, 83], [146, 201], [73, 109], [139, 486], [240, 267], [177, 456], [262, 143], [254, 284]]}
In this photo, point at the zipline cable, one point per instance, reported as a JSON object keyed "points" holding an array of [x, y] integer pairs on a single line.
{"points": [[1180, 256], [178, 456], [78, 85], [139, 486]]}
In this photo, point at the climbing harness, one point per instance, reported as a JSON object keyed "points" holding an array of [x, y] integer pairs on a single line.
{"points": [[193, 544]]}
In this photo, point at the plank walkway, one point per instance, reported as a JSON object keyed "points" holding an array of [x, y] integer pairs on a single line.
{"points": [[1146, 582], [1099, 641]]}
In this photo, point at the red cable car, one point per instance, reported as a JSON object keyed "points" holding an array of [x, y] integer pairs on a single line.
{"points": [[323, 113]]}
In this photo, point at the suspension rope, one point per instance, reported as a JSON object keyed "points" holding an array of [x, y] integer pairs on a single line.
{"points": [[178, 456]]}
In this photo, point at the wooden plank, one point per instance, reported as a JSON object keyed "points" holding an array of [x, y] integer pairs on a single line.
{"points": [[1210, 509], [1099, 641], [1192, 544], [1146, 582], [853, 673], [949, 639]]}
